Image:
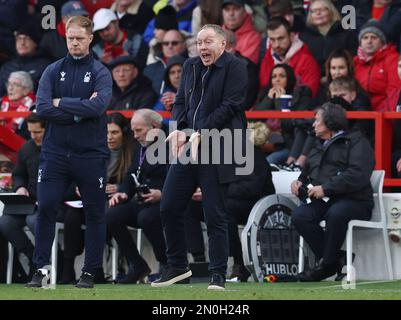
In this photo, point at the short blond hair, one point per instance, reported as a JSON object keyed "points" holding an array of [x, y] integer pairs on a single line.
{"points": [[334, 14], [80, 21], [259, 134]]}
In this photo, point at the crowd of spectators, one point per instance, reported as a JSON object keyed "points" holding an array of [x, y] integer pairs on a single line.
{"points": [[298, 48]]}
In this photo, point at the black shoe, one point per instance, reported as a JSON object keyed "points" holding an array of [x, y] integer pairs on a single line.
{"points": [[135, 274], [86, 281], [217, 282], [239, 274], [41, 278], [170, 276], [341, 263], [319, 273]]}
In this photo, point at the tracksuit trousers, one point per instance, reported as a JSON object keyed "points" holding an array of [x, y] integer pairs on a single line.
{"points": [[55, 175]]}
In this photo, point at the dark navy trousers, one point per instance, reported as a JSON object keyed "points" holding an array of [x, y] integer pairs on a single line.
{"points": [[55, 175], [327, 243], [180, 184]]}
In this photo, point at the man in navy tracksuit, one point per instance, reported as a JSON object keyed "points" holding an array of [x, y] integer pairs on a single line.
{"points": [[73, 95]]}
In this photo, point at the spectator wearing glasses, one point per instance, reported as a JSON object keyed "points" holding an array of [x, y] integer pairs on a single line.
{"points": [[20, 97], [115, 42], [173, 44], [28, 57]]}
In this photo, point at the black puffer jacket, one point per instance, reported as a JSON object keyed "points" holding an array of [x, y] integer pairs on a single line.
{"points": [[343, 167], [321, 46]]}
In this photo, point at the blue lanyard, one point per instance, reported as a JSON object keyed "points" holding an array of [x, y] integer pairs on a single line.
{"points": [[142, 155]]}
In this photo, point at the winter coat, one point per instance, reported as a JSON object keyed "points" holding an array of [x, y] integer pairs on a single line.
{"points": [[305, 67], [342, 167], [378, 76], [78, 126]]}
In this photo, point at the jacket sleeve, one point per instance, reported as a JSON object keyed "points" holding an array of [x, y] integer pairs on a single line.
{"points": [[86, 108], [233, 100], [128, 185], [358, 172], [20, 172], [44, 102]]}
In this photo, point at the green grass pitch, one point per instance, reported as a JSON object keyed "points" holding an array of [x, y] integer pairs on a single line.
{"points": [[326, 290]]}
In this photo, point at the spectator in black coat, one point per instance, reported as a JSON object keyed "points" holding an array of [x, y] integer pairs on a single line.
{"points": [[28, 57], [131, 89], [324, 32]]}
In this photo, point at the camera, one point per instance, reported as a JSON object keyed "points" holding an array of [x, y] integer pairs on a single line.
{"points": [[303, 193], [139, 191]]}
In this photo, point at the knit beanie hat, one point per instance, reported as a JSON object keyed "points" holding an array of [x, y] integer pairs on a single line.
{"points": [[373, 26], [166, 19], [29, 29]]}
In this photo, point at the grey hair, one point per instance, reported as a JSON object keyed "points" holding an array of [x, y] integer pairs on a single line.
{"points": [[217, 29], [24, 77], [152, 118]]}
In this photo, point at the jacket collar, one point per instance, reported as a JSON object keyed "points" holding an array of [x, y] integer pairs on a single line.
{"points": [[84, 60], [219, 63]]}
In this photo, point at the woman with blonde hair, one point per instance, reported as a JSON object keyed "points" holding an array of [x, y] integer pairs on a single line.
{"points": [[324, 32]]}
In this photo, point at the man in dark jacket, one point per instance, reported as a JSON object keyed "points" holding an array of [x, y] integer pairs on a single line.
{"points": [[211, 96], [132, 207], [336, 178], [25, 176], [28, 57], [131, 89], [73, 95]]}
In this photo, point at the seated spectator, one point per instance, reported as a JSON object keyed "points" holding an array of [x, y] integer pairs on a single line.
{"points": [[19, 98], [251, 68], [28, 57], [131, 206], [53, 42], [131, 90], [133, 15], [172, 79], [282, 81], [242, 195], [183, 10], [344, 91], [25, 176], [236, 19], [115, 42], [165, 20], [324, 32], [120, 143], [285, 47], [376, 64], [173, 44], [339, 168]]}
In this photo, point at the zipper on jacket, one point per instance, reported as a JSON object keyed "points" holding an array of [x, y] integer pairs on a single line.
{"points": [[201, 98]]}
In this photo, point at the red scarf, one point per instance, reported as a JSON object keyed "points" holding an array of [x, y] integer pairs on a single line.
{"points": [[115, 49]]}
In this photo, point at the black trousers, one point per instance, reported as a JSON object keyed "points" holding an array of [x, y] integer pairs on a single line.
{"points": [[327, 243], [146, 217], [56, 173], [180, 184]]}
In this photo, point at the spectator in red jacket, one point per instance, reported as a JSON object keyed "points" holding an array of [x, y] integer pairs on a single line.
{"points": [[236, 19], [285, 47], [376, 64]]}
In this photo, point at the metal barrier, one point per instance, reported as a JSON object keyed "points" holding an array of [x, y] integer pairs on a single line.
{"points": [[382, 120]]}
